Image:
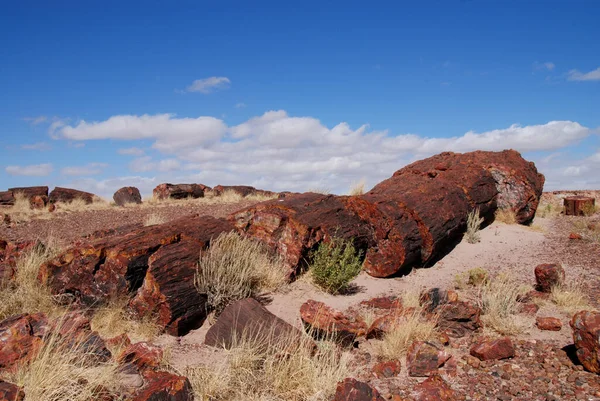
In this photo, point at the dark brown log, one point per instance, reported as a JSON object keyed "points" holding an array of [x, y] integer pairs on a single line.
{"points": [[248, 318], [127, 195], [242, 190], [7, 198], [30, 192], [179, 191], [67, 195], [579, 206]]}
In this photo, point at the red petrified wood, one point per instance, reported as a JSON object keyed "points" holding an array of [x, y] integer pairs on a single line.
{"points": [[549, 275], [164, 386], [497, 349], [326, 321], [354, 390], [127, 195], [586, 336]]}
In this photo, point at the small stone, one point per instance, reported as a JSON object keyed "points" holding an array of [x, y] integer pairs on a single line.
{"points": [[496, 349], [548, 323], [549, 275]]}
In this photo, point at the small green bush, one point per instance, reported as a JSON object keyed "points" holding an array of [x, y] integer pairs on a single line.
{"points": [[335, 264], [478, 276]]}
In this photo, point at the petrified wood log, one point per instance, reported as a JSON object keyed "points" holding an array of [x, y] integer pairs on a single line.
{"points": [[30, 192], [242, 190], [66, 195], [127, 195], [7, 198], [579, 205], [179, 191]]}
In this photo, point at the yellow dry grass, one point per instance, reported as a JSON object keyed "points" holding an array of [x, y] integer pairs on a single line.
{"points": [[24, 293], [408, 328], [498, 300], [154, 219], [113, 320], [228, 196], [357, 188], [588, 228], [570, 297], [65, 370], [473, 224], [236, 267], [269, 367], [22, 212], [506, 216]]}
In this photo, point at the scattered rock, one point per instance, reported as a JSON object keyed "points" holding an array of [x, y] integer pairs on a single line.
{"points": [[486, 350], [127, 195], [586, 336], [51, 207], [330, 323], [179, 191], [354, 390], [142, 355], [459, 318], [575, 236], [21, 337], [549, 275], [118, 343], [385, 303], [10, 392], [67, 195], [529, 308], [424, 359], [435, 297], [164, 386], [548, 323], [387, 369], [250, 318], [38, 202], [434, 388]]}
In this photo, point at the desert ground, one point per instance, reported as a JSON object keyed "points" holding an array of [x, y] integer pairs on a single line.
{"points": [[415, 359]]}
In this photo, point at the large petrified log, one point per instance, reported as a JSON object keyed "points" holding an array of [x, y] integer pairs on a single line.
{"points": [[8, 197], [179, 191], [579, 205], [96, 270], [410, 219], [242, 190], [66, 195]]}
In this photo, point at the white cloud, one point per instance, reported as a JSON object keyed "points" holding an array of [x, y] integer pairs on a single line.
{"points": [[34, 170], [42, 146], [131, 151], [89, 169], [282, 152], [36, 120], [576, 75], [240, 105], [107, 187], [548, 65], [208, 85]]}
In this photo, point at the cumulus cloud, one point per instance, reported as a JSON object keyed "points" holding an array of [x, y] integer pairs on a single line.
{"points": [[282, 152], [34, 170], [548, 66], [576, 75], [208, 85], [89, 169], [42, 146], [131, 151]]}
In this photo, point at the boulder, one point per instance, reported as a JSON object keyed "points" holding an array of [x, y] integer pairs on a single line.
{"points": [[387, 369], [434, 388], [127, 195], [242, 190], [66, 195], [549, 275], [142, 355], [164, 386], [354, 390], [179, 191], [30, 192], [424, 358], [548, 323], [7, 198], [21, 337], [324, 321], [486, 350], [10, 392], [586, 336], [249, 318], [168, 292], [459, 318], [94, 271]]}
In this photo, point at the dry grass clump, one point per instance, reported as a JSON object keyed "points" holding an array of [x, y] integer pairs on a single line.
{"points": [[549, 209], [236, 267], [498, 300], [506, 216], [113, 320], [357, 188], [587, 228], [154, 219], [570, 297], [66, 370], [24, 293], [270, 367], [22, 211], [473, 224], [320, 190], [228, 196], [409, 328]]}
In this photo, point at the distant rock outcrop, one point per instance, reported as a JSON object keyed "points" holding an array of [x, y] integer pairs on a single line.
{"points": [[67, 195], [127, 195], [179, 191]]}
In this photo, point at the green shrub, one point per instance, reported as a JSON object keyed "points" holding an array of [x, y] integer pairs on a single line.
{"points": [[477, 276], [335, 264]]}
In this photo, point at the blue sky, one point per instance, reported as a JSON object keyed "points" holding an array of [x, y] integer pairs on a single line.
{"points": [[292, 96]]}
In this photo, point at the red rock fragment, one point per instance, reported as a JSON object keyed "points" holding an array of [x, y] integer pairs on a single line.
{"points": [[424, 359], [328, 322], [21, 337], [118, 343], [67, 195], [459, 318], [548, 323], [354, 390], [179, 191], [586, 336], [384, 303], [486, 350], [142, 355], [549, 275], [10, 392], [434, 388], [529, 308], [127, 195], [164, 386], [575, 236], [387, 369]]}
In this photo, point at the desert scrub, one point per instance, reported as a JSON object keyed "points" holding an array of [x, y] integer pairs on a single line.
{"points": [[472, 277], [154, 219], [570, 297], [287, 368], [506, 216], [113, 319], [334, 265], [357, 188], [498, 300], [408, 328], [24, 293], [236, 267], [473, 224]]}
